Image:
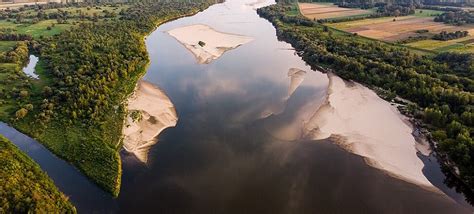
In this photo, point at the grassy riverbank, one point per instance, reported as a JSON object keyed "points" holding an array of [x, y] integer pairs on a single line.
{"points": [[76, 108], [439, 86], [24, 187]]}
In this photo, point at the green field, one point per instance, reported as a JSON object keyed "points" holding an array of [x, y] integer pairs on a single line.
{"points": [[36, 30], [462, 45], [427, 13]]}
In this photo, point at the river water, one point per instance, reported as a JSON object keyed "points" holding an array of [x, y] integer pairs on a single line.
{"points": [[224, 157]]}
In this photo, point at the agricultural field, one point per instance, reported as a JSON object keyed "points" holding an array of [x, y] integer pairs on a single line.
{"points": [[388, 30], [462, 45], [329, 11], [397, 29]]}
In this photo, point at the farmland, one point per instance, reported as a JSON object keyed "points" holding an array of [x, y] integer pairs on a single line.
{"points": [[386, 29], [329, 11], [393, 29]]}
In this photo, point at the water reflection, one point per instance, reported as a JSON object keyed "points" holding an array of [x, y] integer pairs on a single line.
{"points": [[238, 147], [30, 68]]}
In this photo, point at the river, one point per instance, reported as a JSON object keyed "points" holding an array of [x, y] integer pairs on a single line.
{"points": [[223, 156]]}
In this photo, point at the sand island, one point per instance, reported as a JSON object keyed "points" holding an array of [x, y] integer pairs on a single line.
{"points": [[205, 43], [150, 112]]}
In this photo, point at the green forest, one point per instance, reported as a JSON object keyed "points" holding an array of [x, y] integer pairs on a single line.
{"points": [[439, 86], [24, 187], [86, 72]]}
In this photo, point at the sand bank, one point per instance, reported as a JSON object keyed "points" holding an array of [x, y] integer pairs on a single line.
{"points": [[256, 4], [215, 43], [150, 112], [367, 125], [296, 78]]}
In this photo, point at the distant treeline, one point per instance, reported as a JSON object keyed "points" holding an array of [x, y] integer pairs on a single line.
{"points": [[445, 36], [456, 18]]}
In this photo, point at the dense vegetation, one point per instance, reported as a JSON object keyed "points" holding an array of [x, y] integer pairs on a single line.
{"points": [[396, 10], [24, 188], [76, 108], [439, 88], [456, 18], [445, 36]]}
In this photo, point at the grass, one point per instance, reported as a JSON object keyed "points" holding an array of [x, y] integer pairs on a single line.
{"points": [[364, 22], [427, 13], [36, 30], [457, 45], [295, 10], [24, 187], [7, 45]]}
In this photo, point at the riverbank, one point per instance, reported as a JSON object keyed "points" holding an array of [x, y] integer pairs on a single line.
{"points": [[79, 116], [390, 68]]}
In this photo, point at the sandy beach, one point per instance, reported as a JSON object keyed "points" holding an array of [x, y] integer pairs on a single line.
{"points": [[360, 121], [214, 43], [150, 112]]}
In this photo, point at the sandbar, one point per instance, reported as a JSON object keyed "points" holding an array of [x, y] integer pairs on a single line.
{"points": [[150, 111], [213, 43], [363, 123]]}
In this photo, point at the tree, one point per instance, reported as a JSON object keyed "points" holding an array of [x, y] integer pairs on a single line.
{"points": [[21, 113]]}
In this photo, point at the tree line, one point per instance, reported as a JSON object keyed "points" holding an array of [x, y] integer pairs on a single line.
{"points": [[445, 36], [456, 17]]}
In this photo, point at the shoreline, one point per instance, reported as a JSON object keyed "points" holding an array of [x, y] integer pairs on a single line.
{"points": [[140, 78], [396, 155]]}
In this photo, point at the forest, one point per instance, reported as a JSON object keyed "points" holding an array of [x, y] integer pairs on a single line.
{"points": [[24, 187], [439, 86], [86, 73], [445, 36], [455, 17]]}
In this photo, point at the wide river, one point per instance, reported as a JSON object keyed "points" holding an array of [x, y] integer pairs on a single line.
{"points": [[224, 156]]}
